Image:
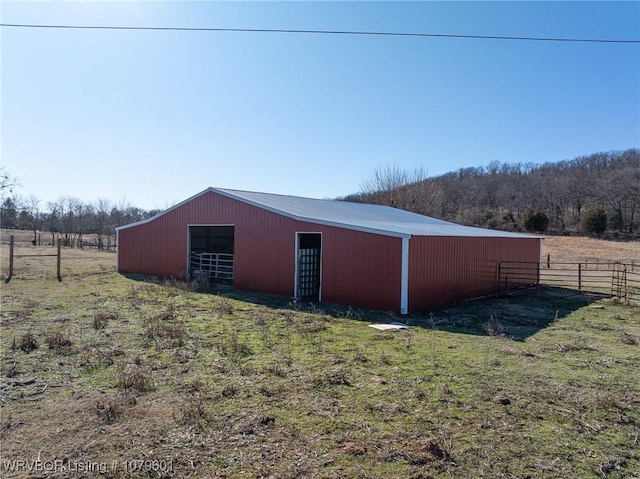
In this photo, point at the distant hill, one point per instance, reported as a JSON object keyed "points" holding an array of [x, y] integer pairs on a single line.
{"points": [[560, 197]]}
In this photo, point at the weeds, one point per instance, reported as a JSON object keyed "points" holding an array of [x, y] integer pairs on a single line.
{"points": [[579, 344], [630, 339], [313, 326], [229, 390], [193, 409], [433, 341], [493, 327], [134, 379], [95, 358], [278, 368], [199, 284], [224, 305], [101, 319], [59, 342], [336, 377], [385, 358], [27, 342], [360, 357], [352, 314], [263, 323], [231, 346], [289, 316], [164, 326], [107, 412]]}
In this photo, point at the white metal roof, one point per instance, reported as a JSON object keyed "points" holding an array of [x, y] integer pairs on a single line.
{"points": [[356, 216], [359, 216]]}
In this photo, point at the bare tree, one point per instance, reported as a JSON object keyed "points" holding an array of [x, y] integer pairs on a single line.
{"points": [[82, 213], [7, 183], [403, 189], [385, 184], [53, 219], [32, 205], [67, 208], [101, 211]]}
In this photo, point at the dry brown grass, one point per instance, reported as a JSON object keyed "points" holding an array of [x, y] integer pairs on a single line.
{"points": [[74, 261], [573, 249]]}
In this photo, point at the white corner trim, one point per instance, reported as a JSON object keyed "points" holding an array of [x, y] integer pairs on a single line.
{"points": [[404, 277]]}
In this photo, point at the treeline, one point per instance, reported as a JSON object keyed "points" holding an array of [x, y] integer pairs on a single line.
{"points": [[75, 223], [597, 193]]}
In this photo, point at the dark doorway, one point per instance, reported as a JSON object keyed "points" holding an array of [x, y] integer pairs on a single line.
{"points": [[309, 263], [211, 252], [211, 239]]}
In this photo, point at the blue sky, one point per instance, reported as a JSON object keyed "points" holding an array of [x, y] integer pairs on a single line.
{"points": [[150, 118]]}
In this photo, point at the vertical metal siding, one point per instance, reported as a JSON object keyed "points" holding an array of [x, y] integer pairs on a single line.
{"points": [[449, 269], [361, 269]]}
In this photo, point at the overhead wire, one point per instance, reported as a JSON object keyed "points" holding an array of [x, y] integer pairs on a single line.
{"points": [[324, 32]]}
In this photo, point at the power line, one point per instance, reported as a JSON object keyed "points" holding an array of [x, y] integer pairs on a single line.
{"points": [[323, 32]]}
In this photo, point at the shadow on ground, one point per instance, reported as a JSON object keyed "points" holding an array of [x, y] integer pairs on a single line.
{"points": [[517, 314]]}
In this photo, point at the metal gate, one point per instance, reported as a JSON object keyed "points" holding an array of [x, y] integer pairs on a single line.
{"points": [[309, 273], [211, 265], [619, 282]]}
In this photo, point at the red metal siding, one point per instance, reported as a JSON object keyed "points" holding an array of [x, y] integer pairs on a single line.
{"points": [[361, 269], [358, 269], [444, 270], [157, 248]]}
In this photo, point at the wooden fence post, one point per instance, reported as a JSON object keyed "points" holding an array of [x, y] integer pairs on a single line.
{"points": [[58, 260], [11, 240]]}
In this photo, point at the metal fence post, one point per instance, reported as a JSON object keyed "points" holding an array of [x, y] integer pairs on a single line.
{"points": [[579, 276], [58, 260]]}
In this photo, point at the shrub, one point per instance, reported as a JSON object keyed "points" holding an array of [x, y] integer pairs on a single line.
{"points": [[594, 221], [535, 222], [616, 221]]}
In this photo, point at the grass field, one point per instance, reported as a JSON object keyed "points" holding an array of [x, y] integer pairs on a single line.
{"points": [[107, 376]]}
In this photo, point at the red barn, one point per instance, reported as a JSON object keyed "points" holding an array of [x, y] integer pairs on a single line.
{"points": [[354, 254]]}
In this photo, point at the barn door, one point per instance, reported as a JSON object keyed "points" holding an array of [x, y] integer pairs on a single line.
{"points": [[308, 267]]}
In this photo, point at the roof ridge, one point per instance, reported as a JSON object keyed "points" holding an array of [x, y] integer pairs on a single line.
{"points": [[282, 195]]}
